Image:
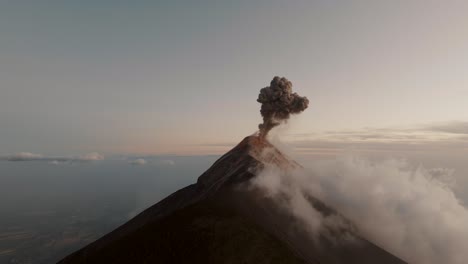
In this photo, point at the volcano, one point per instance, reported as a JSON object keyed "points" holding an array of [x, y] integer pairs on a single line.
{"points": [[220, 220]]}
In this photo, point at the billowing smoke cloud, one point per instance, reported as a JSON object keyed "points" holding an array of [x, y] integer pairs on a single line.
{"points": [[410, 211], [278, 103]]}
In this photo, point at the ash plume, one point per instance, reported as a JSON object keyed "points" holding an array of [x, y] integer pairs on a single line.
{"points": [[278, 103]]}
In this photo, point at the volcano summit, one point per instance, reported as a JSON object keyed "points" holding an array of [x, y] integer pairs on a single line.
{"points": [[224, 218], [220, 220]]}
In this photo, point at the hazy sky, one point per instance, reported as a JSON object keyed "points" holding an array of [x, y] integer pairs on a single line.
{"points": [[172, 76]]}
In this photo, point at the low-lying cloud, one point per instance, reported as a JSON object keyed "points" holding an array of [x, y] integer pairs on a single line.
{"points": [[453, 131], [167, 162], [23, 156], [28, 156], [446, 136], [284, 187], [455, 127], [138, 162], [150, 160], [91, 157], [410, 211], [443, 137]]}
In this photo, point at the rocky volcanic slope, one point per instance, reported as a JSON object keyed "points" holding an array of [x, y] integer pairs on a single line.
{"points": [[219, 220]]}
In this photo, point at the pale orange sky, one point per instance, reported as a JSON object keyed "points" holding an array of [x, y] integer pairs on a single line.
{"points": [[172, 78]]}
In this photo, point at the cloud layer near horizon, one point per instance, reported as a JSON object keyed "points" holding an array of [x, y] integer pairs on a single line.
{"points": [[28, 156], [429, 137], [450, 136], [139, 162]]}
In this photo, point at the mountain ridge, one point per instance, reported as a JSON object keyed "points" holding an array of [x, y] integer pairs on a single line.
{"points": [[202, 207]]}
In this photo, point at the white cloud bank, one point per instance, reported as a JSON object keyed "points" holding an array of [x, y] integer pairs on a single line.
{"points": [[410, 211]]}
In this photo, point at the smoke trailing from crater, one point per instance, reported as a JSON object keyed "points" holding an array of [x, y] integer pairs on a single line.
{"points": [[278, 103]]}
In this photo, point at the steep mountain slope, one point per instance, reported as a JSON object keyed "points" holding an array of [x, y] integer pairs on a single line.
{"points": [[220, 220]]}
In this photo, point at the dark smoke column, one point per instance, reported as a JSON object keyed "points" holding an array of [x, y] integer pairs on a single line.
{"points": [[278, 103]]}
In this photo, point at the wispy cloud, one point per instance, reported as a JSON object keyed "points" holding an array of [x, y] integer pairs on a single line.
{"points": [[22, 156], [432, 137], [137, 162], [167, 162], [28, 156], [456, 127], [442, 132], [92, 157], [436, 136]]}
